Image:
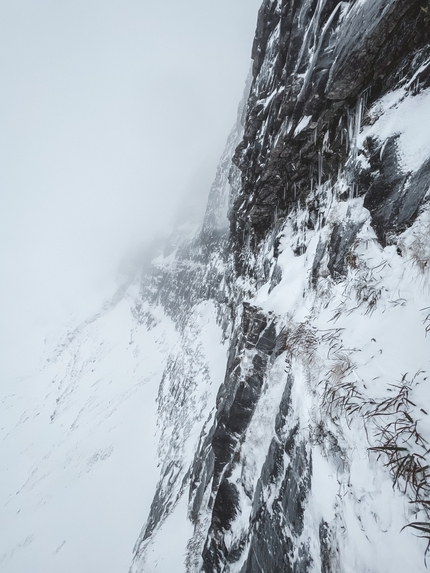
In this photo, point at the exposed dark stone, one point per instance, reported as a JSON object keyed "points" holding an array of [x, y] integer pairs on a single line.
{"points": [[225, 506], [267, 340], [275, 530], [284, 409], [253, 324], [201, 474], [295, 487], [269, 553], [240, 392], [214, 555], [361, 50], [319, 255], [413, 195], [275, 175], [276, 278], [341, 240], [394, 197], [328, 549], [320, 67], [236, 402], [285, 486]]}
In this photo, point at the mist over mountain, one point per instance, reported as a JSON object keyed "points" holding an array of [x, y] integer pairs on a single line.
{"points": [[255, 397], [113, 116]]}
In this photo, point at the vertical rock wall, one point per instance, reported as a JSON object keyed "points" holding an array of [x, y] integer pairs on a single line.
{"points": [[326, 256]]}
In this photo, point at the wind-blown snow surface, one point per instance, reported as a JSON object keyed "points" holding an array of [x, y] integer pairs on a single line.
{"points": [[368, 342], [79, 438], [78, 447]]}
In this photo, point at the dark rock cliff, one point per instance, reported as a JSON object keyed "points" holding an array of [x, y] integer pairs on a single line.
{"points": [[303, 169], [326, 61]]}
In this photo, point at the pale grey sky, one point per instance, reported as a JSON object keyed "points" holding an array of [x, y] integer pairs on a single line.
{"points": [[111, 111]]}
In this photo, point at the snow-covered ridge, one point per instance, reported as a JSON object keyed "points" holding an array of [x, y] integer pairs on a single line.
{"points": [[78, 446]]}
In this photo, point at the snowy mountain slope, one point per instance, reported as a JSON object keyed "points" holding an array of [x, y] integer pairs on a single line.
{"points": [[86, 437], [79, 449], [283, 358]]}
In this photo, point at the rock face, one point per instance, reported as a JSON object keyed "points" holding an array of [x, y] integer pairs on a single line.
{"points": [[306, 451], [317, 67]]}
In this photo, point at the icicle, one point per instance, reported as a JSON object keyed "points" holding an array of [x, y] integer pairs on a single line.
{"points": [[358, 119], [304, 236], [275, 229], [365, 98], [357, 126], [353, 191], [320, 168], [349, 131]]}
